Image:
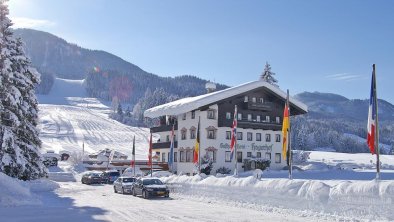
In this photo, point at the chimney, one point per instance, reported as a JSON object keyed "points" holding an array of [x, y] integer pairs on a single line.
{"points": [[210, 86]]}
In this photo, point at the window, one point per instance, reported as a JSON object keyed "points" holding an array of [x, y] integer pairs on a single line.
{"points": [[211, 134], [249, 154], [277, 119], [258, 118], [184, 116], [227, 157], [261, 100], [249, 136], [175, 138], [277, 158], [249, 117], [254, 99], [211, 114], [193, 114], [258, 155], [239, 157], [268, 156], [239, 135], [267, 137], [228, 135], [192, 134], [183, 134], [277, 137], [239, 116], [246, 99], [258, 136], [188, 156], [182, 156], [267, 118], [175, 157], [212, 155], [228, 115], [163, 157], [168, 138]]}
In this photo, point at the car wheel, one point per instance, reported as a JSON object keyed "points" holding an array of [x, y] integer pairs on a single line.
{"points": [[144, 194], [123, 190], [167, 196], [134, 193], [115, 190]]}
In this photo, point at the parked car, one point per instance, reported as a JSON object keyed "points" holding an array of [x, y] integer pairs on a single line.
{"points": [[91, 178], [148, 187], [110, 176], [124, 184]]}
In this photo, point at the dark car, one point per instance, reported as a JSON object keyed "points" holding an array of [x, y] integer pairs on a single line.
{"points": [[148, 187], [124, 184], [110, 176], [91, 178]]}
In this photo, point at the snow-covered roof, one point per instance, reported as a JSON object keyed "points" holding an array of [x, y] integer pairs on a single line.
{"points": [[192, 103]]}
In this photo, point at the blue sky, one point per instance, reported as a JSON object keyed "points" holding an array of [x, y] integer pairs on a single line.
{"points": [[325, 46]]}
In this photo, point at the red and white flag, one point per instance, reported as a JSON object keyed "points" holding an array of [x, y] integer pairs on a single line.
{"points": [[372, 116], [233, 134]]}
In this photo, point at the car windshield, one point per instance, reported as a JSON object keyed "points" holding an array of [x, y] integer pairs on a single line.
{"points": [[152, 182], [126, 180], [95, 175], [114, 173]]}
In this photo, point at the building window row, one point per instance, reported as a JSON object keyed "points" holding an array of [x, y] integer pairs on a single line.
{"points": [[249, 136], [250, 118], [186, 156], [254, 99], [278, 156]]}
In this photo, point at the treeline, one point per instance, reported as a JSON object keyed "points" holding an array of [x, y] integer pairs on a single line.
{"points": [[343, 135]]}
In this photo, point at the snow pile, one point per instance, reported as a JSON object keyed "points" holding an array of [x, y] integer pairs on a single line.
{"points": [[366, 199], [14, 192]]}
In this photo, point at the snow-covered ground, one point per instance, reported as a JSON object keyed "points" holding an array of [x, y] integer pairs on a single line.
{"points": [[68, 118]]}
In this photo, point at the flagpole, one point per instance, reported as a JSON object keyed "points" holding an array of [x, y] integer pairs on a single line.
{"points": [[289, 140], [134, 155], [377, 127], [83, 150], [235, 148]]}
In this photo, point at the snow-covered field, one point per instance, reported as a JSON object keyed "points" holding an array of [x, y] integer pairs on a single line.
{"points": [[68, 118]]}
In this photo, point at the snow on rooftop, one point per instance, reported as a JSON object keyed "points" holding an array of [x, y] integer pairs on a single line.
{"points": [[192, 103]]}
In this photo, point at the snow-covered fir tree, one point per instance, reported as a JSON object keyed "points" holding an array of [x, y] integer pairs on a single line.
{"points": [[19, 141], [268, 75]]}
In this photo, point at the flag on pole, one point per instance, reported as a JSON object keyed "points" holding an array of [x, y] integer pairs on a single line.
{"points": [[171, 157], [233, 134], [285, 131], [372, 116], [150, 151], [133, 154], [197, 145]]}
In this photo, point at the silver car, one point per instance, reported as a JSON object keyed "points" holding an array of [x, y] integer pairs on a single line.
{"points": [[124, 184]]}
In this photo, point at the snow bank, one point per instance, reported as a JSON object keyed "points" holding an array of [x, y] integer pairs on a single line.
{"points": [[14, 192], [366, 199]]}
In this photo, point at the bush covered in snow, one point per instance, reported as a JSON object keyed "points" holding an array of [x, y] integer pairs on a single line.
{"points": [[223, 170]]}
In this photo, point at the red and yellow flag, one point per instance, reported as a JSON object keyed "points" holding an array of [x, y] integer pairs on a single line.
{"points": [[285, 131], [197, 145]]}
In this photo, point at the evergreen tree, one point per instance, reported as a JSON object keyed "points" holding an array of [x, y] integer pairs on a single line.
{"points": [[20, 144], [268, 75], [120, 110]]}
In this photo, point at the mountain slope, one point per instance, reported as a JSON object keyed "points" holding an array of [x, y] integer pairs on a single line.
{"points": [[67, 118]]}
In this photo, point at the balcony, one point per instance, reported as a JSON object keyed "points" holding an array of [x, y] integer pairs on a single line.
{"points": [[252, 124], [266, 106], [162, 145], [163, 128]]}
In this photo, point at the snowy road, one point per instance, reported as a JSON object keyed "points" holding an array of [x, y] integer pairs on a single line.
{"points": [[76, 202]]}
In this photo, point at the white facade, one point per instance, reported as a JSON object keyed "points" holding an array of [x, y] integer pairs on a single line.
{"points": [[271, 150]]}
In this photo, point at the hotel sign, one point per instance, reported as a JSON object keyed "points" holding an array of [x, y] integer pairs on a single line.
{"points": [[253, 146]]}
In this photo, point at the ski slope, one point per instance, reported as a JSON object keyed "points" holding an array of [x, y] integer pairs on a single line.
{"points": [[68, 118]]}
